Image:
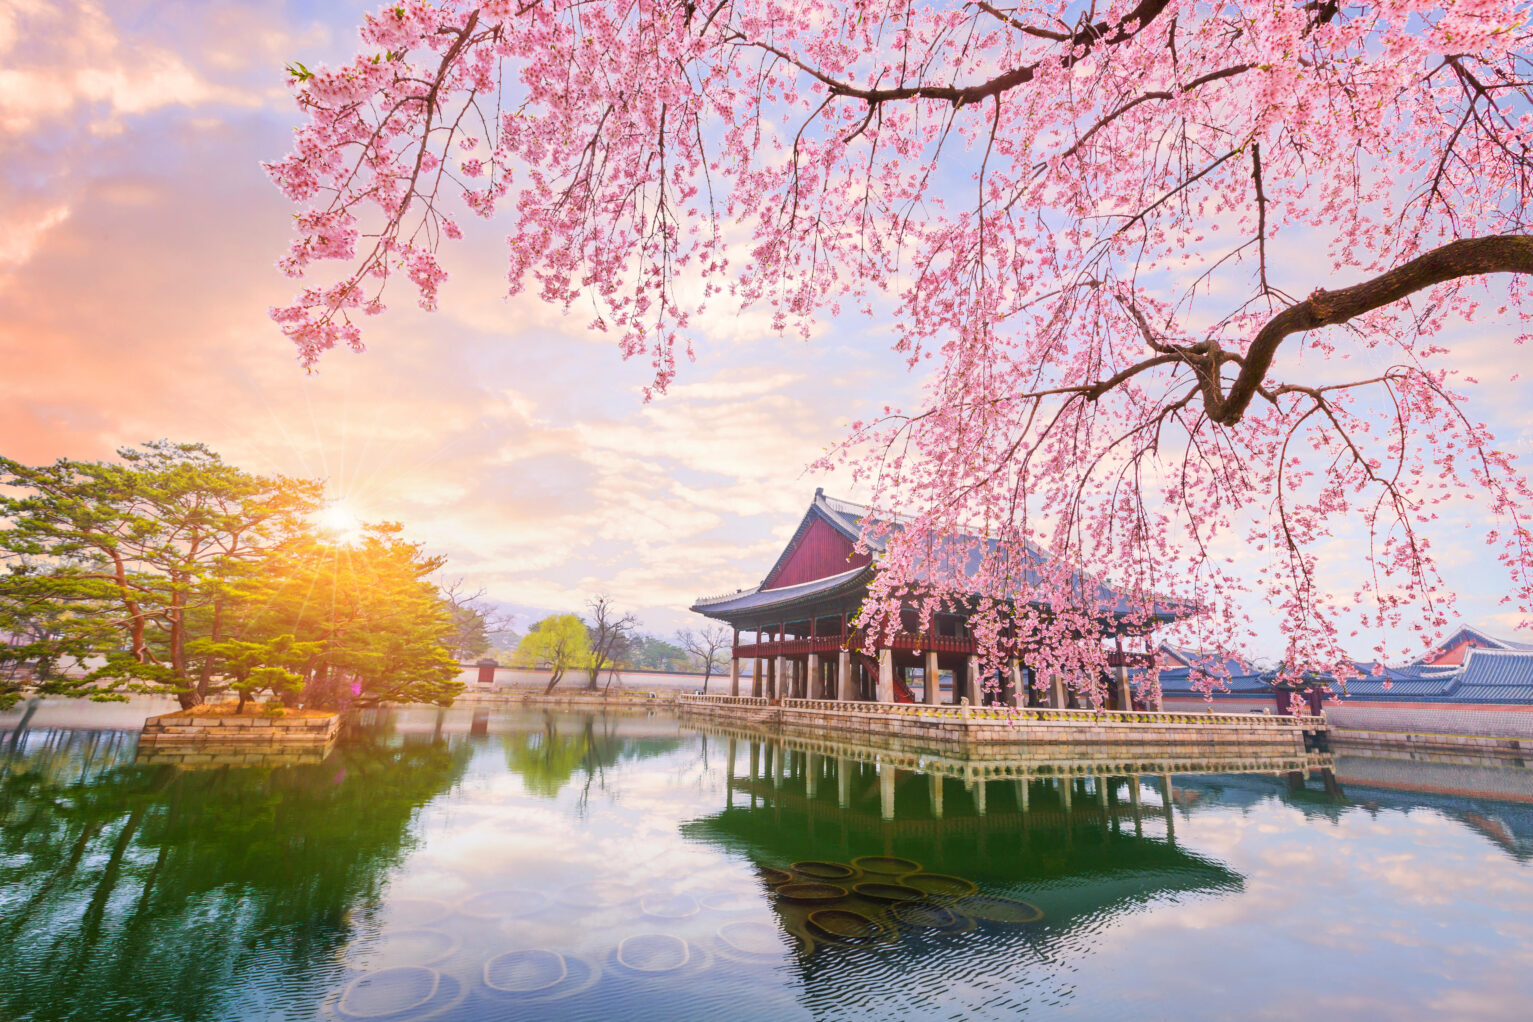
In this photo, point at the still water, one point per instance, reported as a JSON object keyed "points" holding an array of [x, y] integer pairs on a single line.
{"points": [[565, 866]]}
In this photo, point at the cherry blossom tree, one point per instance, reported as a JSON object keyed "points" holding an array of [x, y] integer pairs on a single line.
{"points": [[1181, 278]]}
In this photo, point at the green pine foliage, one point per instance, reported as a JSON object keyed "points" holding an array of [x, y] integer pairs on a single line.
{"points": [[172, 572]]}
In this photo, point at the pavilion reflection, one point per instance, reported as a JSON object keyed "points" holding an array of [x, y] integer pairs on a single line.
{"points": [[1085, 840]]}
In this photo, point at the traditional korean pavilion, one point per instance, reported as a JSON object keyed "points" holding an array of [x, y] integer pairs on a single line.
{"points": [[796, 626]]}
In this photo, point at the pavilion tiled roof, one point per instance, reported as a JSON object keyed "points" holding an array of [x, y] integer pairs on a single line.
{"points": [[964, 552]]}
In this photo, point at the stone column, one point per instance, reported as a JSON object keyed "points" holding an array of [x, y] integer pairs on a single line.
{"points": [[1057, 698], [844, 676], [734, 676], [813, 688], [933, 679], [973, 686], [780, 678], [1016, 695], [1125, 695], [885, 690]]}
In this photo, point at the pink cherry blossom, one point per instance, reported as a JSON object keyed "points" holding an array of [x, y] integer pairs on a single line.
{"points": [[1176, 274]]}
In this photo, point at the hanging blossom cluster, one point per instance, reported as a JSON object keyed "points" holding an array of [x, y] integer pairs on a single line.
{"points": [[1084, 217]]}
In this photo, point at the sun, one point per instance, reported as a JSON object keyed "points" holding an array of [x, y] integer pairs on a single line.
{"points": [[339, 523]]}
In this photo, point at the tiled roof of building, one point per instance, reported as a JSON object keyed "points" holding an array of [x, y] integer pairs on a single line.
{"points": [[962, 554]]}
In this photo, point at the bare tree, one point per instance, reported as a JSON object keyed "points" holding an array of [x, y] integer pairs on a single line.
{"points": [[707, 647], [609, 632]]}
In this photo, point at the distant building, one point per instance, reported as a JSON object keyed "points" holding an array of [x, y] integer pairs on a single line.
{"points": [[1473, 683]]}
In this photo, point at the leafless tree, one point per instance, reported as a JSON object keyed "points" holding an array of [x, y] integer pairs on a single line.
{"points": [[610, 632], [708, 647]]}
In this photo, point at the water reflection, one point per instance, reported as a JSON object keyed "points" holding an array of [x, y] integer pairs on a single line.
{"points": [[149, 892], [548, 753], [502, 864]]}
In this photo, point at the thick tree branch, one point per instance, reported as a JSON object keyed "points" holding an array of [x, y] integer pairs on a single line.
{"points": [[1469, 257]]}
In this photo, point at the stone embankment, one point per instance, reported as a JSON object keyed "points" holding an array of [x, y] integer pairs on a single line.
{"points": [[190, 739], [996, 729], [627, 699]]}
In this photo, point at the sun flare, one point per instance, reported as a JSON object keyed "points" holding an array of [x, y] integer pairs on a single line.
{"points": [[340, 523]]}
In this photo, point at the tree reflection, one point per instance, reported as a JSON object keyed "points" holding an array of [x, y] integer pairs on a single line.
{"points": [[548, 756], [137, 891]]}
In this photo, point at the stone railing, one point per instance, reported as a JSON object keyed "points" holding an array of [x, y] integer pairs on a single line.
{"points": [[1045, 715], [724, 700]]}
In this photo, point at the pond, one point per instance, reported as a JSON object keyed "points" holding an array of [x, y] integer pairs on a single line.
{"points": [[528, 865]]}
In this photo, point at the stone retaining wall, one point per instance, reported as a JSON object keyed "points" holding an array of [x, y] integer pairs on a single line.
{"points": [[1430, 718], [531, 697], [170, 729], [211, 755], [1054, 731], [1445, 748]]}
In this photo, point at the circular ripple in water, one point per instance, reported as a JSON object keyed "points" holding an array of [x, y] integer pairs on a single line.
{"points": [[940, 884], [888, 892], [399, 994], [811, 893], [1006, 911], [750, 939], [926, 916], [403, 947], [653, 952], [886, 865], [526, 971], [509, 903], [522, 975], [668, 906], [823, 870]]}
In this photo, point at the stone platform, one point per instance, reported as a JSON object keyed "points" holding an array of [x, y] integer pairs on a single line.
{"points": [[996, 730], [174, 733]]}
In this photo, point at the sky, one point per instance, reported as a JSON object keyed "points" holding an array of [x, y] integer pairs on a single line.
{"points": [[138, 236]]}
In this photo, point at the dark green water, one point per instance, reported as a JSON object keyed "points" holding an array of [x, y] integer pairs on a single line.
{"points": [[564, 866]]}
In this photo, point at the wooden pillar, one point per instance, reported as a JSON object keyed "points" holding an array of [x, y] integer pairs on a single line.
{"points": [[933, 690], [1166, 793], [844, 676], [729, 781], [885, 691]]}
